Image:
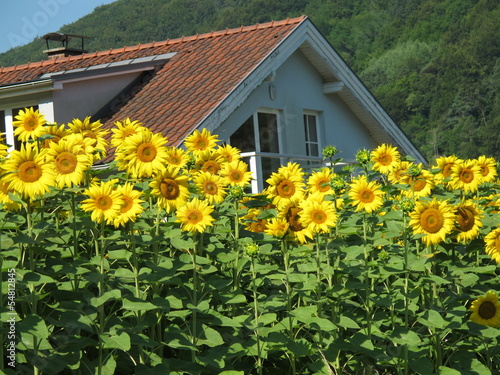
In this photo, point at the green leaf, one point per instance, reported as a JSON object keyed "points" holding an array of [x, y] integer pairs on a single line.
{"points": [[212, 337], [299, 347], [111, 295], [443, 370], [119, 254], [117, 341], [232, 372], [137, 305], [346, 322], [35, 325], [109, 367], [431, 318]]}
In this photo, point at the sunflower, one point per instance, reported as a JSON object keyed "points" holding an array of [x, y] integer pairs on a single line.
{"points": [[277, 227], [228, 153], [286, 184], [208, 161], [366, 195], [31, 175], [68, 160], [195, 216], [384, 158], [53, 133], [486, 310], [4, 149], [29, 124], [492, 241], [319, 181], [435, 219], [177, 157], [200, 141], [91, 129], [466, 175], [399, 171], [488, 168], [143, 154], [210, 186], [252, 221], [319, 216], [171, 188], [8, 203], [421, 185], [468, 221], [291, 212], [236, 173], [131, 204], [104, 202], [124, 129]]}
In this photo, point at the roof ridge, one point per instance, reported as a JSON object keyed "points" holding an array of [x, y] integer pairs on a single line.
{"points": [[169, 41]]}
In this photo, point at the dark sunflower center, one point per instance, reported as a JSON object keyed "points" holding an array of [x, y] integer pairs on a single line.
{"points": [[366, 196], [146, 152], [466, 175], [66, 162], [210, 187], [210, 166], [285, 189], [29, 171], [235, 176], [31, 124], [447, 170], [419, 184], [485, 170], [465, 219], [431, 220], [127, 204], [323, 185], [169, 189], [194, 216], [318, 216], [103, 202], [487, 310], [292, 216], [385, 159]]}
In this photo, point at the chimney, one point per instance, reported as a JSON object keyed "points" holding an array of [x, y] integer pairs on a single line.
{"points": [[64, 50]]}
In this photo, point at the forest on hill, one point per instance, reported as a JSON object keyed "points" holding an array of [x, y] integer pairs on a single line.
{"points": [[433, 65]]}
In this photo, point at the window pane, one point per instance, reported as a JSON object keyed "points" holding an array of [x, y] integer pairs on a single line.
{"points": [[2, 122], [268, 132], [244, 137], [313, 131], [313, 149], [269, 165]]}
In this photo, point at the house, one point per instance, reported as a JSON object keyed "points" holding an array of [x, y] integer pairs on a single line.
{"points": [[278, 91]]}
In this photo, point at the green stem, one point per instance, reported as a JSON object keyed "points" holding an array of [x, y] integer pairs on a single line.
{"points": [[256, 317], [194, 302], [289, 292], [367, 277], [135, 266]]}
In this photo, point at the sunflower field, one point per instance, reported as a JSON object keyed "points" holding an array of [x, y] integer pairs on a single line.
{"points": [[121, 254]]}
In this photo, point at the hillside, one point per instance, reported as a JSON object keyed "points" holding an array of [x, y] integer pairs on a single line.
{"points": [[434, 66]]}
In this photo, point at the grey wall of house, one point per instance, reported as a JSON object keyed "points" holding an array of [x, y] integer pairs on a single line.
{"points": [[84, 98], [299, 88]]}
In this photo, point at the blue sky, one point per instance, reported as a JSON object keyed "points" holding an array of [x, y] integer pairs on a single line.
{"points": [[21, 21]]}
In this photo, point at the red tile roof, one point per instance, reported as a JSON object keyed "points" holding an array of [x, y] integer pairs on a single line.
{"points": [[204, 70]]}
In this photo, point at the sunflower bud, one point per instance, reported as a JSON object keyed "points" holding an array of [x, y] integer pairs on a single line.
{"points": [[407, 204], [236, 192], [330, 151], [363, 156], [251, 249], [338, 184], [414, 171]]}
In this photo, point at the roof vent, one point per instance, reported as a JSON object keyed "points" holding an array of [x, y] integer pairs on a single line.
{"points": [[64, 50]]}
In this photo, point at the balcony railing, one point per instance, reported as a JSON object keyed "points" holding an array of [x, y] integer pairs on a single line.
{"points": [[254, 160]]}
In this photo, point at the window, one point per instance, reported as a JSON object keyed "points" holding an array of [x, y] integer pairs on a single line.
{"points": [[7, 117], [311, 134], [260, 134], [2, 123]]}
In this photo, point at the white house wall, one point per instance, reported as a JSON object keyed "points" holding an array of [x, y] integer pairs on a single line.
{"points": [[82, 98], [299, 88]]}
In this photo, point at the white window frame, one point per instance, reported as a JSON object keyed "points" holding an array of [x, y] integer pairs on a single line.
{"points": [[307, 142], [45, 108]]}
